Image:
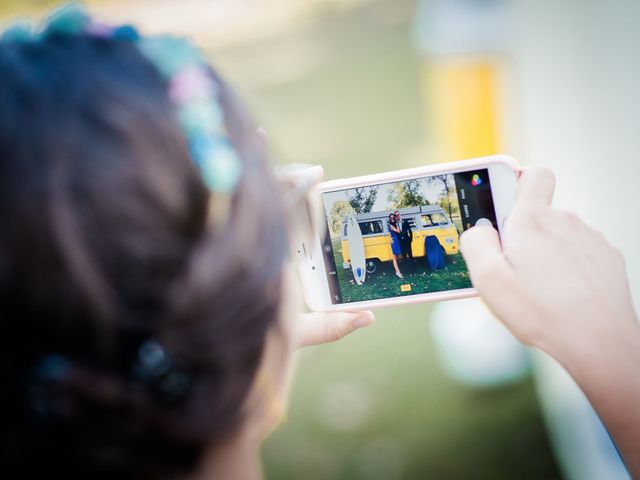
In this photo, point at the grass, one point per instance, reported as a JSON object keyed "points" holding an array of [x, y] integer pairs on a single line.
{"points": [[383, 282]]}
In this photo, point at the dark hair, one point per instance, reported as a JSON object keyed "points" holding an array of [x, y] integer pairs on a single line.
{"points": [[392, 219], [105, 244]]}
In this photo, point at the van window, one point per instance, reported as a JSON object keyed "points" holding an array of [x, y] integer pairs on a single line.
{"points": [[344, 229], [371, 227], [409, 222], [434, 220], [439, 219]]}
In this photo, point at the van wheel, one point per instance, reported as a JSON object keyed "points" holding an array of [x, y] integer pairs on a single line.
{"points": [[372, 266]]}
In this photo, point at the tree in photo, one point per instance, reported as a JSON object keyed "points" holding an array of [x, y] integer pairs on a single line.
{"points": [[339, 210], [363, 198], [449, 203], [445, 182], [406, 194]]}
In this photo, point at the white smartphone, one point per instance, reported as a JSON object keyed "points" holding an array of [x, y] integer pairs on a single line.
{"points": [[393, 238]]}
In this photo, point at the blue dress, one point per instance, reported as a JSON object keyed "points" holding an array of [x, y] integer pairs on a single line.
{"points": [[395, 242]]}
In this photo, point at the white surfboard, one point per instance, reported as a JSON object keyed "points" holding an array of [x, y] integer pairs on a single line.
{"points": [[356, 250]]}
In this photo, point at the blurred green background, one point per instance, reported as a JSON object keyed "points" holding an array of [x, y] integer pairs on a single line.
{"points": [[375, 405], [338, 83]]}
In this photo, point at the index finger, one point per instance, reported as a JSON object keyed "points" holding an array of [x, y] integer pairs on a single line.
{"points": [[536, 186]]}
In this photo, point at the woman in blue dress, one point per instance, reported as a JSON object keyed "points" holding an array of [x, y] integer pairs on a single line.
{"points": [[396, 249]]}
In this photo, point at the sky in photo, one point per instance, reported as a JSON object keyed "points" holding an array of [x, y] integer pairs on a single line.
{"points": [[431, 192]]}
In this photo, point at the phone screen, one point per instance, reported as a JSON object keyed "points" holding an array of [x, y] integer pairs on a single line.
{"points": [[403, 238]]}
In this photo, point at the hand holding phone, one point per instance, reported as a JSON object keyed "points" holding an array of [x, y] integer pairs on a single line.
{"points": [[549, 265], [558, 285]]}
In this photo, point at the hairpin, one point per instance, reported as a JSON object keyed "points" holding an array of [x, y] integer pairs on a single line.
{"points": [[157, 371], [153, 369], [48, 371]]}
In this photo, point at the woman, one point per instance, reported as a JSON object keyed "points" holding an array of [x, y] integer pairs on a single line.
{"points": [[147, 328], [396, 248], [144, 333]]}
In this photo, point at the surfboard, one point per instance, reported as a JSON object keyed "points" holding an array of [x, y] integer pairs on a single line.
{"points": [[356, 250]]}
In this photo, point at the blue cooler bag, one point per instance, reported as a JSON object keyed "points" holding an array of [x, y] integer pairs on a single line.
{"points": [[434, 253]]}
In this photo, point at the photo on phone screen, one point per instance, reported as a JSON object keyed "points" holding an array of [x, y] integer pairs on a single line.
{"points": [[403, 238]]}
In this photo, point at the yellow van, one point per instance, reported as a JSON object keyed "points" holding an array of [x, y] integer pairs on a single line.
{"points": [[424, 221]]}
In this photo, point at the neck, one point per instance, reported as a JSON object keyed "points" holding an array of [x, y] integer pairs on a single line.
{"points": [[238, 458]]}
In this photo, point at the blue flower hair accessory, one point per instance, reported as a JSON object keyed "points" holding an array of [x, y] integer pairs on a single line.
{"points": [[191, 87], [153, 369]]}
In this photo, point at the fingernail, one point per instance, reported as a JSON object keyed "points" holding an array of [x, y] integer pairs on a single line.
{"points": [[483, 222], [366, 318]]}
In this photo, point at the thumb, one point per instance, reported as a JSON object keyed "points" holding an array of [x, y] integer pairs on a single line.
{"points": [[489, 269], [324, 327]]}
